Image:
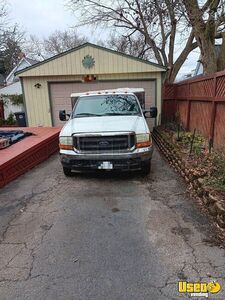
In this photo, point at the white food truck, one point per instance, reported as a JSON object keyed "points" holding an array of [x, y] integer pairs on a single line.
{"points": [[106, 130]]}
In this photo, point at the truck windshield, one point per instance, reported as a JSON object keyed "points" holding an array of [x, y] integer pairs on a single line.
{"points": [[106, 105]]}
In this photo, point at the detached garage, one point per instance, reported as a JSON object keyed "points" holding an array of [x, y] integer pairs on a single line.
{"points": [[47, 85]]}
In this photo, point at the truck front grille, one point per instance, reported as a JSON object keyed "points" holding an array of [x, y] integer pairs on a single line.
{"points": [[99, 143]]}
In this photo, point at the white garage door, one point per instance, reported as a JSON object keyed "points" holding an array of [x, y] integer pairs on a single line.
{"points": [[60, 93]]}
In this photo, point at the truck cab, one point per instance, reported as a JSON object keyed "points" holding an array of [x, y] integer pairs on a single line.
{"points": [[106, 130]]}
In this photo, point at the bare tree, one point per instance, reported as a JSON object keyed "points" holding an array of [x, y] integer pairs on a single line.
{"points": [[11, 47], [161, 23], [34, 48], [3, 21], [60, 41], [57, 42], [134, 46], [11, 40], [208, 21], [3, 15]]}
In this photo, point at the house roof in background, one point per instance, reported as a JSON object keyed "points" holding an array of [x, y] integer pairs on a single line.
{"points": [[28, 60], [31, 61], [199, 61], [11, 89]]}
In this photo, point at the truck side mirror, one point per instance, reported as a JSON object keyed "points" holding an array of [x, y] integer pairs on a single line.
{"points": [[153, 112], [62, 115]]}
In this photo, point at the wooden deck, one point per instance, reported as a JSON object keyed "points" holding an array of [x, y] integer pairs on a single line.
{"points": [[28, 152]]}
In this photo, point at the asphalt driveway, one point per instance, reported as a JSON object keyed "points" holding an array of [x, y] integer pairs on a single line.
{"points": [[103, 237]]}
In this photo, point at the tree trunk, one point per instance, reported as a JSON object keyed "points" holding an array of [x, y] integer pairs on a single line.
{"points": [[221, 58], [174, 69], [171, 74], [207, 48], [204, 32]]}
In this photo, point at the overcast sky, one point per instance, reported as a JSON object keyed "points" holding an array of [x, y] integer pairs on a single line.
{"points": [[45, 16]]}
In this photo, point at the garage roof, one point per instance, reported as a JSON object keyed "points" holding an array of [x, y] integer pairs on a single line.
{"points": [[90, 59]]}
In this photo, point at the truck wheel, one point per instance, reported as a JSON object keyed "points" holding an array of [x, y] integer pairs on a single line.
{"points": [[67, 171], [146, 168]]}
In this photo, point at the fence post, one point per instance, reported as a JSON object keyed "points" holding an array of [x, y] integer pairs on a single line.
{"points": [[189, 107], [213, 112]]}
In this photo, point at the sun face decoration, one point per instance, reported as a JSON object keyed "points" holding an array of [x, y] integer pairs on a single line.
{"points": [[214, 287], [88, 62]]}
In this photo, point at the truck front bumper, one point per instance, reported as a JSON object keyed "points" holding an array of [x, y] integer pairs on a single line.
{"points": [[119, 161]]}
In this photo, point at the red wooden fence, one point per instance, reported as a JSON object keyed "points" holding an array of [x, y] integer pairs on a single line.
{"points": [[200, 103]]}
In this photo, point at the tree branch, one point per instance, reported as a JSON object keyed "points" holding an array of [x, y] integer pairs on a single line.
{"points": [[150, 41], [190, 45]]}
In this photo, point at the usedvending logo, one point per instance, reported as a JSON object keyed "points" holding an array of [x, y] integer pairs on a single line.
{"points": [[199, 289]]}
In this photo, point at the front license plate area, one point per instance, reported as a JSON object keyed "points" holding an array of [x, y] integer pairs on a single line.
{"points": [[105, 165]]}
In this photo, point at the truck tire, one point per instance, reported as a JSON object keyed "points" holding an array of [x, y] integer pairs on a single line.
{"points": [[67, 171], [146, 168]]}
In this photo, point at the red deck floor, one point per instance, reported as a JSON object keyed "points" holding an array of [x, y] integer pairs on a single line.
{"points": [[28, 152]]}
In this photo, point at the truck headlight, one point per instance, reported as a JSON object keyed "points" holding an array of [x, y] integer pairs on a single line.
{"points": [[143, 140], [66, 142]]}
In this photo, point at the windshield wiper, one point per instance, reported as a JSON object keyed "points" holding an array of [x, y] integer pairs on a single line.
{"points": [[119, 114], [102, 115], [87, 114], [113, 114]]}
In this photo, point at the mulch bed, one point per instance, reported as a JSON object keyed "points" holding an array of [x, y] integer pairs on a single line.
{"points": [[197, 170]]}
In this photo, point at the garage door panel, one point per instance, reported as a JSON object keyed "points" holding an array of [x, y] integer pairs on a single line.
{"points": [[66, 107], [60, 94], [62, 100]]}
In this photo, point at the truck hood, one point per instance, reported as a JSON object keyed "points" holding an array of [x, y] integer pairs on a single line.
{"points": [[136, 124]]}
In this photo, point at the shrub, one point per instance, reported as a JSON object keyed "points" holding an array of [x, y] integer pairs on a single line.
{"points": [[15, 99], [217, 176], [11, 119]]}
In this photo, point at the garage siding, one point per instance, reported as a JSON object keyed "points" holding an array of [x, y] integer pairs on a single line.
{"points": [[106, 62], [60, 93]]}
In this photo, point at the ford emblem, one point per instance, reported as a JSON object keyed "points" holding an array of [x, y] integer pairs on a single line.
{"points": [[103, 143]]}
